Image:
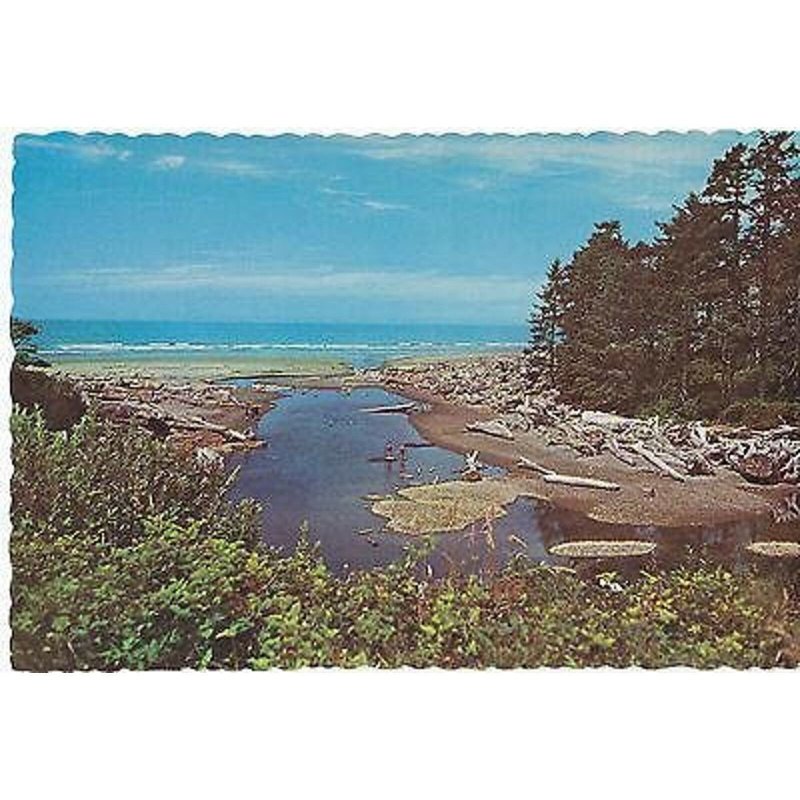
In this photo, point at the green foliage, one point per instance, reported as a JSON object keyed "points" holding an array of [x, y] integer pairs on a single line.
{"points": [[125, 557], [104, 482], [174, 599]]}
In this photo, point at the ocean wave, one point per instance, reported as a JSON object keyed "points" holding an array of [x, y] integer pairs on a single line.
{"points": [[356, 352]]}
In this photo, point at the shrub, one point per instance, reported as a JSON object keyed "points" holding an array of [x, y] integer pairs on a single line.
{"points": [[104, 482], [176, 598]]}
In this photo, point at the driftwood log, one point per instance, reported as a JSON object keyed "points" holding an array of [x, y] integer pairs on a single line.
{"points": [[518, 391], [578, 481], [399, 408], [496, 428], [657, 462]]}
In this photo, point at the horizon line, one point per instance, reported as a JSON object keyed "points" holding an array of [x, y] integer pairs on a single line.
{"points": [[38, 319]]}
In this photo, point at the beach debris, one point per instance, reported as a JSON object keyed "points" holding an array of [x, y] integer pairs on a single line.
{"points": [[514, 539], [527, 463], [365, 531], [397, 408], [550, 476], [472, 468], [757, 468], [657, 461], [496, 428], [580, 482], [209, 457], [194, 416], [788, 510], [775, 549], [603, 549], [515, 399]]}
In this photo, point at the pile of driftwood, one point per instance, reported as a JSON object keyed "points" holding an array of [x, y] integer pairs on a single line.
{"points": [[677, 449], [497, 382], [183, 413]]}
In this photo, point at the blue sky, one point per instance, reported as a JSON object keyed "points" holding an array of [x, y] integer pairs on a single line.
{"points": [[313, 229]]}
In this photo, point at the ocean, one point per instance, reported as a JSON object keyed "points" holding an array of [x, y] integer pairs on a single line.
{"points": [[356, 344]]}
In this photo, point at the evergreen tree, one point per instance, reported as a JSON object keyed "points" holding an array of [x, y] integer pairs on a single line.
{"points": [[706, 316], [545, 319], [786, 333], [22, 335], [727, 190], [593, 369], [685, 312], [772, 210]]}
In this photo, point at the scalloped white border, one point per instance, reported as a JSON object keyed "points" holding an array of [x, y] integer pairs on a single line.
{"points": [[418, 67]]}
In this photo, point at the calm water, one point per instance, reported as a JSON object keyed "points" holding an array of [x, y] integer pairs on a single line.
{"points": [[319, 463], [359, 345]]}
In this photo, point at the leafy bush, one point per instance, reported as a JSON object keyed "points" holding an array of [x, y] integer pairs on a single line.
{"points": [[104, 482], [126, 557]]}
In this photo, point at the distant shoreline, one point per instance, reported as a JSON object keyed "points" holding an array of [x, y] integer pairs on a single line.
{"points": [[211, 367]]}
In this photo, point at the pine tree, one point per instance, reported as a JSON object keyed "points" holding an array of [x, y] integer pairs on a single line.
{"points": [[545, 319], [593, 370], [23, 334], [727, 190], [788, 328], [771, 210], [706, 316]]}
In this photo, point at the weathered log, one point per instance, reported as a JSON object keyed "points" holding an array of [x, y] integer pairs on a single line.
{"points": [[195, 423], [399, 408], [639, 448], [526, 463], [617, 452], [492, 428], [580, 482], [775, 549]]}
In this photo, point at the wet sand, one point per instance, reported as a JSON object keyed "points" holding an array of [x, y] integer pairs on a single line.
{"points": [[646, 497]]}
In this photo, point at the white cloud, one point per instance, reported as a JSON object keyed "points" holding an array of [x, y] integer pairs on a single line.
{"points": [[92, 148], [169, 162], [311, 282], [620, 154], [378, 205], [241, 169], [350, 198]]}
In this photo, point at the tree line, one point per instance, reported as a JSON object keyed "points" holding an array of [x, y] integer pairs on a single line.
{"points": [[701, 320]]}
